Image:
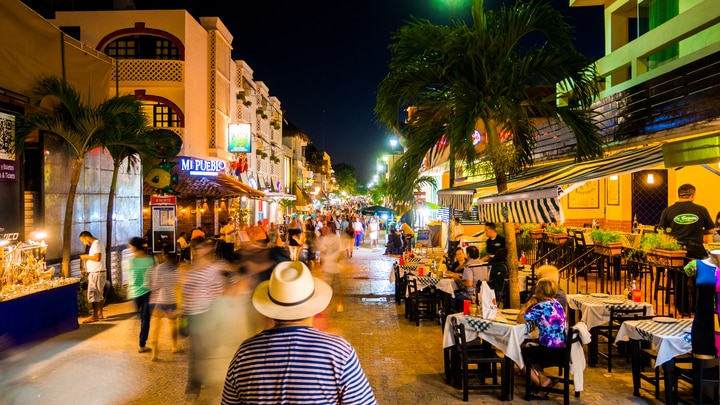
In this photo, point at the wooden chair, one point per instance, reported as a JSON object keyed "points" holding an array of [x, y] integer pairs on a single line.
{"points": [[423, 304], [609, 331], [563, 365], [482, 355], [400, 285], [704, 371]]}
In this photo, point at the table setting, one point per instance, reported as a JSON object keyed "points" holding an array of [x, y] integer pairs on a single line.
{"points": [[596, 307]]}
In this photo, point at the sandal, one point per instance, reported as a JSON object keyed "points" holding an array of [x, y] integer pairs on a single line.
{"points": [[537, 397], [90, 320]]}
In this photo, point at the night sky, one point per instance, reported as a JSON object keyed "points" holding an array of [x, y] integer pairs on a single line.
{"points": [[324, 60]]}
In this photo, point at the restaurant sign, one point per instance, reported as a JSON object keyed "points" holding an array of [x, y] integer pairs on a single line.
{"points": [[202, 167]]}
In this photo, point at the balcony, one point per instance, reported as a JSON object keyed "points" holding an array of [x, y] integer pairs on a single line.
{"points": [[149, 70]]}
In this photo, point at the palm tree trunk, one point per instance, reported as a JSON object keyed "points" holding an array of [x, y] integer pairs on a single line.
{"points": [[512, 263], [109, 221], [69, 212]]}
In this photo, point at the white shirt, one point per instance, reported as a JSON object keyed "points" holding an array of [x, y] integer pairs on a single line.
{"points": [[91, 266]]}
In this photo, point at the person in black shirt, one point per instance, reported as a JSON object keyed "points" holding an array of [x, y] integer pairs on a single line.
{"points": [[688, 222], [494, 241]]}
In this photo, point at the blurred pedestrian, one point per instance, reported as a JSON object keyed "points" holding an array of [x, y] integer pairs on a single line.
{"points": [[202, 284], [295, 240], [292, 361], [373, 229], [138, 287], [330, 247], [349, 239], [163, 302], [94, 262]]}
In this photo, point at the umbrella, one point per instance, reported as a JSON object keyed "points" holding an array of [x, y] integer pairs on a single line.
{"points": [[376, 209]]}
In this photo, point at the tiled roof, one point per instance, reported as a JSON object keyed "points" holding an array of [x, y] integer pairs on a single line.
{"points": [[209, 186]]}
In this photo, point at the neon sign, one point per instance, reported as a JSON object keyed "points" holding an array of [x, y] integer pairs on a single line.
{"points": [[201, 167], [476, 137]]}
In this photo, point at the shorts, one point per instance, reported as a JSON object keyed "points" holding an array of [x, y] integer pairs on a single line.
{"points": [[96, 286], [168, 309]]}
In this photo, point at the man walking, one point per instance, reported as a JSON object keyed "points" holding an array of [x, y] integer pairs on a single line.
{"points": [[293, 362], [688, 222], [94, 262]]}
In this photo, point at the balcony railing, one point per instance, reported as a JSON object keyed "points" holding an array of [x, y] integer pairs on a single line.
{"points": [[149, 70]]}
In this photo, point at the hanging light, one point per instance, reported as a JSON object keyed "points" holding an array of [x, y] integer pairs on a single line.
{"points": [[650, 178], [614, 177]]}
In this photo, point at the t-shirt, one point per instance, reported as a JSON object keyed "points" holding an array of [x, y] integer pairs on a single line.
{"points": [[493, 245], [687, 222], [138, 268], [474, 272], [549, 317], [296, 365], [91, 266]]}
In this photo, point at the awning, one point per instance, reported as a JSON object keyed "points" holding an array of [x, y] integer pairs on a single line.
{"points": [[461, 197], [208, 186], [539, 199], [303, 198]]}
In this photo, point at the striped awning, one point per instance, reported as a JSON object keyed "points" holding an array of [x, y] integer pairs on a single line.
{"points": [[538, 200], [536, 206]]}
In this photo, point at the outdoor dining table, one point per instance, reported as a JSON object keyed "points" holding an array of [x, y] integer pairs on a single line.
{"points": [[669, 336], [503, 333], [595, 309]]}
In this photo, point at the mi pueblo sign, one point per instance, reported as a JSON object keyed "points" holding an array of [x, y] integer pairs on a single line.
{"points": [[202, 167]]}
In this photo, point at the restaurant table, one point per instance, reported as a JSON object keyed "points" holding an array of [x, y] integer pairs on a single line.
{"points": [[507, 336], [595, 308], [671, 338], [40, 315]]}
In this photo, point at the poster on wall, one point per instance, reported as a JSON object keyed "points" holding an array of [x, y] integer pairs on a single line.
{"points": [[11, 222], [164, 222], [585, 196]]}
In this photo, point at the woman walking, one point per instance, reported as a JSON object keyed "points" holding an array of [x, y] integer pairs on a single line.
{"points": [[138, 290], [163, 302]]}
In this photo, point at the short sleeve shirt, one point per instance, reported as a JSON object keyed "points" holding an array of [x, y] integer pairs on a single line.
{"points": [[92, 266], [549, 316]]}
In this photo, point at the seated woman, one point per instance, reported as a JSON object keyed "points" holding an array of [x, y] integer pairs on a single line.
{"points": [[459, 263], [395, 242], [549, 317]]}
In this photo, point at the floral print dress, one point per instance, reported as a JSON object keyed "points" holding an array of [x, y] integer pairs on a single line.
{"points": [[549, 317]]}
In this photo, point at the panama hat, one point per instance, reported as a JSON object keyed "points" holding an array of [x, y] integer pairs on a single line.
{"points": [[291, 293]]}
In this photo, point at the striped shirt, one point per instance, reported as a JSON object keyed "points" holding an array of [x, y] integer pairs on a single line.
{"points": [[201, 287], [163, 279], [296, 365]]}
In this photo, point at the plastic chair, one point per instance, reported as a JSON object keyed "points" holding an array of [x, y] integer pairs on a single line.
{"points": [[484, 356], [563, 365], [609, 330]]}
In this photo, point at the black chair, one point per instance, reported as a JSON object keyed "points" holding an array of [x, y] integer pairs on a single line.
{"points": [[703, 372], [563, 365], [609, 331], [423, 304], [482, 355], [588, 264], [400, 285]]}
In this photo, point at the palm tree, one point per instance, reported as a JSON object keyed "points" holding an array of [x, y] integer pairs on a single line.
{"points": [[129, 137], [498, 76], [60, 110]]}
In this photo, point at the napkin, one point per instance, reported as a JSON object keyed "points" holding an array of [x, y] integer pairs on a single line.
{"points": [[487, 300]]}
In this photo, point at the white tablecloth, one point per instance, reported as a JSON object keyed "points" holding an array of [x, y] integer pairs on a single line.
{"points": [[595, 311], [669, 339], [505, 336]]}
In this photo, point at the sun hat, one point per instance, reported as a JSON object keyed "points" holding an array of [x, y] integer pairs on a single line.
{"points": [[292, 293]]}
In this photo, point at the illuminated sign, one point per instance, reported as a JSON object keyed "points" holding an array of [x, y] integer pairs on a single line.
{"points": [[201, 167], [476, 137], [239, 138]]}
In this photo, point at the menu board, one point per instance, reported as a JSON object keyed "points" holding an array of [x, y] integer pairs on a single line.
{"points": [[164, 219]]}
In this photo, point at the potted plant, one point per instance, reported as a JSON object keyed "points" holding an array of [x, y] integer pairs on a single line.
{"points": [[607, 243], [247, 103], [274, 159], [534, 231], [556, 232], [663, 249], [261, 154]]}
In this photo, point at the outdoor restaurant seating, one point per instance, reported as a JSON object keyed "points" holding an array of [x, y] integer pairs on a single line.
{"points": [[400, 285], [563, 368], [423, 303], [702, 372], [609, 330], [483, 356]]}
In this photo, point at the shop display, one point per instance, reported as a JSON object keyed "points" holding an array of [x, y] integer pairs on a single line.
{"points": [[23, 271]]}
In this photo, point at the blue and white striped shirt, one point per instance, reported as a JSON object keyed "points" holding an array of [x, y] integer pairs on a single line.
{"points": [[296, 365]]}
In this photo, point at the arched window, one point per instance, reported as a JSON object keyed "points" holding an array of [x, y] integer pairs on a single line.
{"points": [[142, 47]]}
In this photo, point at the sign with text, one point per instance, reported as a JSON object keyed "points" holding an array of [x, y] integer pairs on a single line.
{"points": [[11, 220], [202, 167], [163, 200], [164, 222], [239, 138]]}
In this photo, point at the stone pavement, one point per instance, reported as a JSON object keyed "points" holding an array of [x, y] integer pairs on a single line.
{"points": [[99, 363]]}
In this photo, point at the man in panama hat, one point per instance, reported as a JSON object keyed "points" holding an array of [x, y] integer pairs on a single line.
{"points": [[293, 362]]}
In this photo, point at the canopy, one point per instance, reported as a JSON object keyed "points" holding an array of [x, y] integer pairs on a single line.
{"points": [[376, 209], [208, 186], [538, 200]]}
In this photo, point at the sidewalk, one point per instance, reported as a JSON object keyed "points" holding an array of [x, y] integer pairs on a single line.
{"points": [[99, 363]]}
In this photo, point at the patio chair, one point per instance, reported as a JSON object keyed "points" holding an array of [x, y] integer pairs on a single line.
{"points": [[563, 365], [609, 331]]}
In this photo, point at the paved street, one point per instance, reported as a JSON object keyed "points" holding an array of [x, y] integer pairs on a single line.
{"points": [[99, 363]]}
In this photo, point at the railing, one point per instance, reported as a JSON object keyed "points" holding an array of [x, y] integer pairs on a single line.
{"points": [[149, 70]]}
